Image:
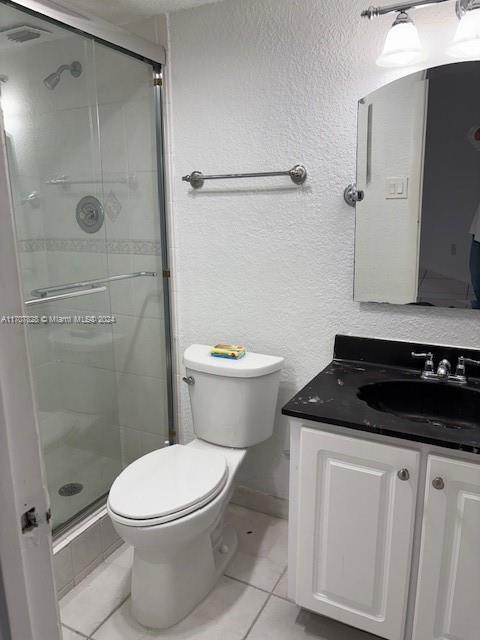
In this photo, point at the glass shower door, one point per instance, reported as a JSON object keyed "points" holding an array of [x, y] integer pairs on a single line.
{"points": [[80, 127], [130, 173]]}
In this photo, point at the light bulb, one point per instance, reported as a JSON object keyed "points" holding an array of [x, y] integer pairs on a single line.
{"points": [[402, 46], [466, 42]]}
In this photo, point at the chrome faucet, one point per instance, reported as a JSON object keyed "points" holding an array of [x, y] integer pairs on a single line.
{"points": [[428, 372], [444, 369], [461, 371]]}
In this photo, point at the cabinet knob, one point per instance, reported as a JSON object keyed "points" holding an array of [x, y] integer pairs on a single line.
{"points": [[404, 474], [438, 483]]}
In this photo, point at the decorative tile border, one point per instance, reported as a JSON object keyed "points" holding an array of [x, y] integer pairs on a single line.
{"points": [[141, 247], [91, 245], [37, 244]]}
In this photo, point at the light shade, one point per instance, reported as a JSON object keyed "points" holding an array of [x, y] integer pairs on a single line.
{"points": [[466, 42], [402, 45]]}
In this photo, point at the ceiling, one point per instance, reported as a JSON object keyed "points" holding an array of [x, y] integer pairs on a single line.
{"points": [[123, 11]]}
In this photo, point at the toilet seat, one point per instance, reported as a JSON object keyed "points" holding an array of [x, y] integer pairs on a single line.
{"points": [[166, 485]]}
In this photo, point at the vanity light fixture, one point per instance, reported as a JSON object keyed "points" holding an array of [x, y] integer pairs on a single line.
{"points": [[466, 42], [402, 45]]}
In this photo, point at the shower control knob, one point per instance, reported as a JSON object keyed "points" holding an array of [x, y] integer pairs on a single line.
{"points": [[438, 483], [404, 474], [190, 380]]}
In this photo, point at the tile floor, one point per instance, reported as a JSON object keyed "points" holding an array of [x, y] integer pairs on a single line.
{"points": [[250, 601]]}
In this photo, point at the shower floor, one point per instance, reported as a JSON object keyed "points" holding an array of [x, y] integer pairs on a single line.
{"points": [[69, 464]]}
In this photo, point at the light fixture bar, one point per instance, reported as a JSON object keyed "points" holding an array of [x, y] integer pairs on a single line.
{"points": [[463, 6], [374, 12]]}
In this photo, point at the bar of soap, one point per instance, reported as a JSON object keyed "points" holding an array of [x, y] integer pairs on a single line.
{"points": [[231, 351]]}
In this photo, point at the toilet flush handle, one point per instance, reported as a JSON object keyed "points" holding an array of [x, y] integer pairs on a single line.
{"points": [[190, 380]]}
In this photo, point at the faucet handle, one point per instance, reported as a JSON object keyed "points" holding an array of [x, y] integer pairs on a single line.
{"points": [[470, 361], [428, 357], [461, 370], [462, 361]]}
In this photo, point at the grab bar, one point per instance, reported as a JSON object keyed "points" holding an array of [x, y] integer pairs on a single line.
{"points": [[42, 292], [64, 296]]}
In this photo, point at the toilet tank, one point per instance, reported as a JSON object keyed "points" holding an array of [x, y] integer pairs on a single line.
{"points": [[233, 401]]}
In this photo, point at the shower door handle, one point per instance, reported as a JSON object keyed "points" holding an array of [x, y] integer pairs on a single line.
{"points": [[64, 296], [82, 284]]}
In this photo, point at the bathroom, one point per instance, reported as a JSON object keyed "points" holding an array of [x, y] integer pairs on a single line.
{"points": [[167, 88]]}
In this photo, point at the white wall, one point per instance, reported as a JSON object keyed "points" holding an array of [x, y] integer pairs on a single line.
{"points": [[153, 29], [259, 85]]}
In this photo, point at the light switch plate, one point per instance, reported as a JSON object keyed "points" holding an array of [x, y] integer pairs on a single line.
{"points": [[396, 188]]}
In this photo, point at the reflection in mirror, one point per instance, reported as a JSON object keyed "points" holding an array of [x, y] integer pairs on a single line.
{"points": [[417, 235]]}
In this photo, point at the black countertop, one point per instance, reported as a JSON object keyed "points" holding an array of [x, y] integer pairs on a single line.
{"points": [[332, 397]]}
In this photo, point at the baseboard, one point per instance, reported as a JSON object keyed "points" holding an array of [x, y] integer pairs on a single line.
{"points": [[260, 501]]}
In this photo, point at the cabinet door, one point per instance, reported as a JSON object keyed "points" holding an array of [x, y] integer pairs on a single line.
{"points": [[355, 530], [448, 596]]}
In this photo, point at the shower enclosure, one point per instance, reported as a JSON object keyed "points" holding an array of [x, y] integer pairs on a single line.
{"points": [[83, 135]]}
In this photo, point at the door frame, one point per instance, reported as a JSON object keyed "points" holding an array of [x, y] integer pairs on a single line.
{"points": [[25, 557]]}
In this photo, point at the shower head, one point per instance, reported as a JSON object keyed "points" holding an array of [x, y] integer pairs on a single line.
{"points": [[53, 79]]}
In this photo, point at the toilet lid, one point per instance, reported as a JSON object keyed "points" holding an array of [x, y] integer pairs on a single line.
{"points": [[168, 481]]}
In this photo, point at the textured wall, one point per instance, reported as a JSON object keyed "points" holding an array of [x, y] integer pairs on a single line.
{"points": [[259, 85]]}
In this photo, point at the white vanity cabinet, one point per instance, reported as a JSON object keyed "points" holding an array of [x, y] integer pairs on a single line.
{"points": [[370, 548], [355, 522], [448, 594]]}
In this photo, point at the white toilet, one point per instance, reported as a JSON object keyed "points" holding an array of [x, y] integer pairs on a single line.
{"points": [[169, 504]]}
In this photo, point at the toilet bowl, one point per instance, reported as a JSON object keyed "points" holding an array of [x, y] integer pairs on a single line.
{"points": [[170, 504], [178, 556]]}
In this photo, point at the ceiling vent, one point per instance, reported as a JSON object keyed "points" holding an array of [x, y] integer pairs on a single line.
{"points": [[21, 34]]}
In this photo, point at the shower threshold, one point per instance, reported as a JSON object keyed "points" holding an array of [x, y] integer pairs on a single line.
{"points": [[83, 515]]}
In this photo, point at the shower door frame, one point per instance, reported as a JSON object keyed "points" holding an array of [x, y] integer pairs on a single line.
{"points": [[152, 54], [93, 27]]}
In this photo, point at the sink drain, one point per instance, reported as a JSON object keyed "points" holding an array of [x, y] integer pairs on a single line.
{"points": [[70, 489]]}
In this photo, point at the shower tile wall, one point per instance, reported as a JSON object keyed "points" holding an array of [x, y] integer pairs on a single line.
{"points": [[92, 396]]}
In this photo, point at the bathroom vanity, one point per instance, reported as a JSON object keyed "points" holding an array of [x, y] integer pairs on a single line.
{"points": [[384, 531]]}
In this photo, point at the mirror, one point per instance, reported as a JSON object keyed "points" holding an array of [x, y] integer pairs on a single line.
{"points": [[417, 238]]}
